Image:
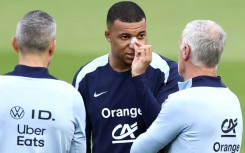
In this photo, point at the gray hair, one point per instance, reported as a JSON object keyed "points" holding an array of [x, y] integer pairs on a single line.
{"points": [[206, 40], [35, 31]]}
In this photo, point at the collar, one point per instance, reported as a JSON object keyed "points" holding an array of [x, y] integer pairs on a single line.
{"points": [[32, 72], [202, 81]]}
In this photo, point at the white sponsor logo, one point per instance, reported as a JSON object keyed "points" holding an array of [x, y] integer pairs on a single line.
{"points": [[132, 112], [99, 94], [126, 130]]}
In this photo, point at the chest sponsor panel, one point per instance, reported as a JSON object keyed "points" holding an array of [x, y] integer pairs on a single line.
{"points": [[123, 133], [229, 141], [112, 113], [26, 133]]}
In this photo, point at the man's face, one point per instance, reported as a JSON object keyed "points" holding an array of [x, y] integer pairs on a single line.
{"points": [[119, 34]]}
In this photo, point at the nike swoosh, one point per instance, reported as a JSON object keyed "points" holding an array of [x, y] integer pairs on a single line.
{"points": [[97, 95]]}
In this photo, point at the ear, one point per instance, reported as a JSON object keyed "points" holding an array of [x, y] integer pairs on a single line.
{"points": [[14, 44], [108, 36], [51, 47], [186, 52]]}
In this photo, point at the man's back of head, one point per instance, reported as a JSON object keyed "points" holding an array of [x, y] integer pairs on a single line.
{"points": [[206, 40], [35, 31]]}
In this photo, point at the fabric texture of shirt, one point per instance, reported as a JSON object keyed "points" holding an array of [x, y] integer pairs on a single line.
{"points": [[203, 117], [40, 114], [115, 113]]}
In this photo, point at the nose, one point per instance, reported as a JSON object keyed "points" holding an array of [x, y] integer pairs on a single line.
{"points": [[132, 42]]}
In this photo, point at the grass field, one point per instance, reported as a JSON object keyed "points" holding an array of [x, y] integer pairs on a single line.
{"points": [[81, 25]]}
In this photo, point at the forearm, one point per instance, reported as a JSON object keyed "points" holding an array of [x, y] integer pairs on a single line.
{"points": [[141, 145], [149, 105]]}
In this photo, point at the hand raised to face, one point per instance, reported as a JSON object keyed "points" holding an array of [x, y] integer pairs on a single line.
{"points": [[142, 57]]}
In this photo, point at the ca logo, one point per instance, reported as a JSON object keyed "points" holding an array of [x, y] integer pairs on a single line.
{"points": [[126, 130], [228, 126], [17, 112]]}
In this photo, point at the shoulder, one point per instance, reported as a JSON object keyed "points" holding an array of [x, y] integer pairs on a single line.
{"points": [[163, 65], [69, 97], [182, 99], [67, 93], [61, 86], [179, 95], [91, 67], [177, 102], [4, 80], [52, 86], [159, 61]]}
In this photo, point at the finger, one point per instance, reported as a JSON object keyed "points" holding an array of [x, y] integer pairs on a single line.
{"points": [[138, 51], [148, 51], [135, 46], [138, 44], [146, 48]]}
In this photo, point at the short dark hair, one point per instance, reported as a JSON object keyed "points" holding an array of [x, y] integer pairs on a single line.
{"points": [[125, 11]]}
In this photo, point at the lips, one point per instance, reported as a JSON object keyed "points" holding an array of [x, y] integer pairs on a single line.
{"points": [[130, 56]]}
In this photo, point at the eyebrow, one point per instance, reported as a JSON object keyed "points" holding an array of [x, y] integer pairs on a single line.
{"points": [[142, 32], [129, 34]]}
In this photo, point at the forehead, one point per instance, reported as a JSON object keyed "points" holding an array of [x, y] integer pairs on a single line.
{"points": [[125, 27]]}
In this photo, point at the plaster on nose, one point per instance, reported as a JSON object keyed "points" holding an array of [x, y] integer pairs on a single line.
{"points": [[132, 42]]}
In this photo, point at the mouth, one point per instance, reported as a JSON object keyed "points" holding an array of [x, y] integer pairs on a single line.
{"points": [[130, 56]]}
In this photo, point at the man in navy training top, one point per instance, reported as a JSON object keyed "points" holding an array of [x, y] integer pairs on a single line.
{"points": [[209, 117], [38, 113], [120, 106]]}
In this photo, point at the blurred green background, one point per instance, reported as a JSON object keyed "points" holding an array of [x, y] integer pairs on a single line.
{"points": [[81, 26]]}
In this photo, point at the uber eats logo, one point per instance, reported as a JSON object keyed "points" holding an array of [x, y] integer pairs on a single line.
{"points": [[228, 128], [27, 135]]}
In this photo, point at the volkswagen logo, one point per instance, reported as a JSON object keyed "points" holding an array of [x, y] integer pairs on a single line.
{"points": [[17, 112]]}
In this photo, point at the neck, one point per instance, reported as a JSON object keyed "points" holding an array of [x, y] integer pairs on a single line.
{"points": [[34, 60], [195, 71], [118, 65]]}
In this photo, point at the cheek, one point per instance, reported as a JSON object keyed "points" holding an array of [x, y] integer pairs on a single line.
{"points": [[180, 64], [143, 41], [119, 47], [115, 44]]}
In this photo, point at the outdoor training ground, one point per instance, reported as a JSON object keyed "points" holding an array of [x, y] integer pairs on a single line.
{"points": [[81, 26]]}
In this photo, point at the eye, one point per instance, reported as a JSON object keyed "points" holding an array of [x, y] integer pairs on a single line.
{"points": [[141, 36], [124, 37]]}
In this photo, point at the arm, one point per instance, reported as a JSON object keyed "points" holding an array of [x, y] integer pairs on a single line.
{"points": [[78, 143], [147, 101], [165, 84], [88, 130], [142, 59], [88, 134], [171, 84], [167, 126]]}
